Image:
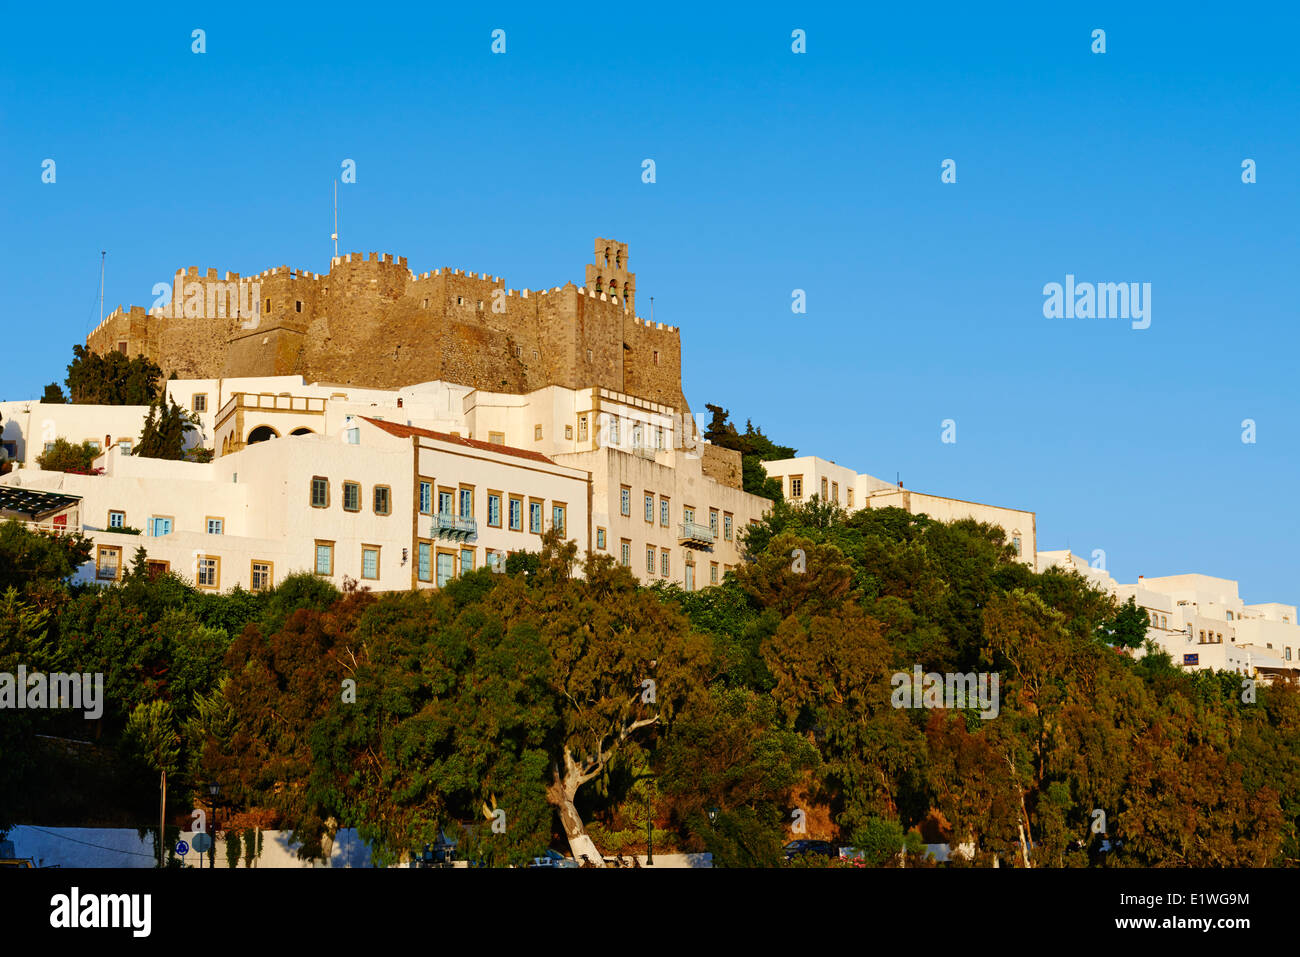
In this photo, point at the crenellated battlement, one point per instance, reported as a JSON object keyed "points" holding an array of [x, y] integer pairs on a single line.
{"points": [[371, 320]]}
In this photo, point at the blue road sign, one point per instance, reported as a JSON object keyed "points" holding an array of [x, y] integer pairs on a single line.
{"points": [[202, 842], [182, 848]]}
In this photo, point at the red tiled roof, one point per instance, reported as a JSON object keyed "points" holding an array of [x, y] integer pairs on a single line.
{"points": [[406, 431]]}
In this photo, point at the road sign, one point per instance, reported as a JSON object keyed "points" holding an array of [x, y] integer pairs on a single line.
{"points": [[182, 848], [202, 843]]}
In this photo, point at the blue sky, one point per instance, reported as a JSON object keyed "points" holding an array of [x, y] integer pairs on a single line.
{"points": [[775, 171]]}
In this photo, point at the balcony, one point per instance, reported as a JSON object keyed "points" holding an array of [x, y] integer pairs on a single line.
{"points": [[694, 535], [453, 527]]}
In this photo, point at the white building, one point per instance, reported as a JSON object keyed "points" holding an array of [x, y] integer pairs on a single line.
{"points": [[1201, 620], [398, 489], [807, 476]]}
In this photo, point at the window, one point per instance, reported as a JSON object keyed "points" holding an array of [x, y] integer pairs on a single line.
{"points": [[117, 519], [835, 492], [122, 347], [1229, 616], [124, 446], [48, 446], [494, 510], [516, 514], [324, 558], [649, 559], [353, 436], [497, 438], [663, 563], [688, 515], [568, 431], [466, 503], [600, 539], [663, 512], [557, 516], [713, 573], [726, 525], [613, 430], [535, 517], [444, 501], [108, 563], [582, 428], [160, 525], [261, 576], [351, 497], [625, 501], [1015, 544], [320, 492], [370, 561], [650, 507], [383, 500], [796, 486], [636, 435], [209, 571], [297, 305], [495, 561], [216, 526], [466, 560], [1163, 622], [268, 307], [849, 493], [659, 437], [537, 433], [200, 402], [713, 522], [656, 356], [426, 498], [424, 569], [823, 488], [625, 553], [446, 567]]}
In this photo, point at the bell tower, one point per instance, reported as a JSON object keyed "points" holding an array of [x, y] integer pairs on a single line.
{"points": [[610, 274]]}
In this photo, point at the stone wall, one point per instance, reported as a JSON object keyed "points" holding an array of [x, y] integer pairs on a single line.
{"points": [[372, 322]]}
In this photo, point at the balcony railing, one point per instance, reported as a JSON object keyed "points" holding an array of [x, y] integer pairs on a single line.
{"points": [[453, 527], [694, 535]]}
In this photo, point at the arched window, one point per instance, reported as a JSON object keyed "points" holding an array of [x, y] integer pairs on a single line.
{"points": [[302, 430], [261, 434]]}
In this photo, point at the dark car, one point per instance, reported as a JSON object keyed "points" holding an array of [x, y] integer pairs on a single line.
{"points": [[797, 848]]}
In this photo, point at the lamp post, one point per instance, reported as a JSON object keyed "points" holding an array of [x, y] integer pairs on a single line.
{"points": [[214, 791]]}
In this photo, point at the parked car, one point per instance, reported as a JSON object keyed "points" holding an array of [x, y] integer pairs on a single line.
{"points": [[553, 858]]}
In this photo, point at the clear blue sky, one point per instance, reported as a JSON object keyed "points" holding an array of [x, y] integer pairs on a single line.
{"points": [[775, 171]]}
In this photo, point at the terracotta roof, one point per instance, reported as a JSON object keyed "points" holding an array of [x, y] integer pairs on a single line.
{"points": [[406, 431]]}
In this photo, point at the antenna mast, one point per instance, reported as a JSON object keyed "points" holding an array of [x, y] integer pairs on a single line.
{"points": [[102, 254], [335, 235]]}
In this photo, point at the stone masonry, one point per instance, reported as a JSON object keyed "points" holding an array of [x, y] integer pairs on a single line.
{"points": [[372, 322]]}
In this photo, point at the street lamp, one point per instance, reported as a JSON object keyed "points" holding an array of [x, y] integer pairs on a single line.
{"points": [[713, 815], [214, 791]]}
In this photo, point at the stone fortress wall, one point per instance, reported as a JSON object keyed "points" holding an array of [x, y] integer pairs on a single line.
{"points": [[371, 321]]}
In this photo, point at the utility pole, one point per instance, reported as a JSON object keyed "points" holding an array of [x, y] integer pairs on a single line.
{"points": [[103, 253]]}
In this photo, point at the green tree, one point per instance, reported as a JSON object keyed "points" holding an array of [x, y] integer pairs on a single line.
{"points": [[754, 448], [31, 559], [1128, 629], [112, 378], [152, 740], [164, 431], [54, 395], [63, 456]]}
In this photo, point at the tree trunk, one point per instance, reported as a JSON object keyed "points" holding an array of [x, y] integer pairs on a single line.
{"points": [[561, 793]]}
